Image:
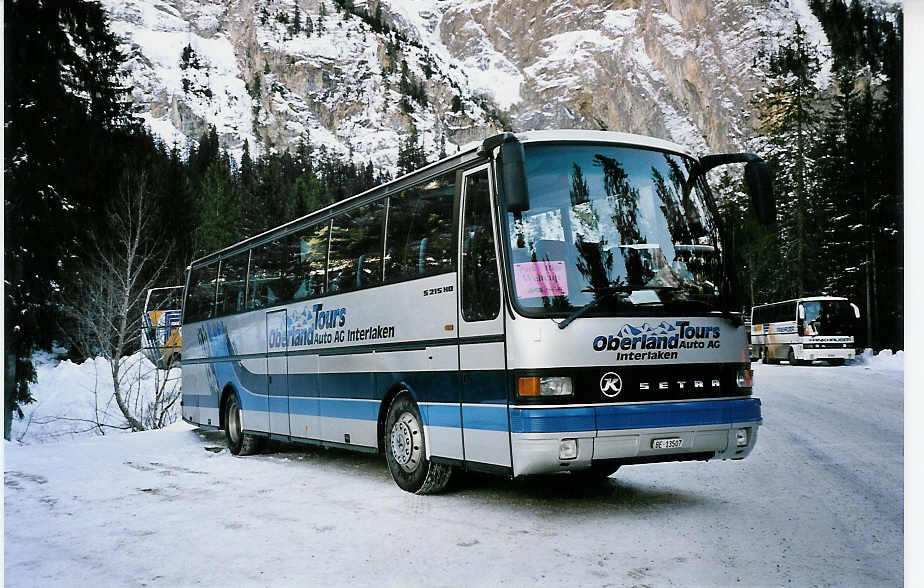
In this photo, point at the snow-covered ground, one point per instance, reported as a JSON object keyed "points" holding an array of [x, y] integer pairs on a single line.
{"points": [[75, 400], [819, 502]]}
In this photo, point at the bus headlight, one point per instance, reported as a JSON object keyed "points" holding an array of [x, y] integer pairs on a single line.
{"points": [[533, 386]]}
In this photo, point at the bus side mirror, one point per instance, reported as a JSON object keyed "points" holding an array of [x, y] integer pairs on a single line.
{"points": [[856, 310], [513, 173], [759, 181], [801, 312]]}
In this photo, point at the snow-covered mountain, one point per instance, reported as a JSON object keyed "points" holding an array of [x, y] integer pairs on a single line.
{"points": [[677, 69]]}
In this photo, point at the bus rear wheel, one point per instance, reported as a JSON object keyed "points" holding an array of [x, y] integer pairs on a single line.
{"points": [[239, 442], [836, 361], [406, 450]]}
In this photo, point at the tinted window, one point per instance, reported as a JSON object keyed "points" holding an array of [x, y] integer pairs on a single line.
{"points": [[164, 298], [419, 240], [308, 259], [200, 303], [270, 283], [356, 248], [232, 284], [480, 286]]}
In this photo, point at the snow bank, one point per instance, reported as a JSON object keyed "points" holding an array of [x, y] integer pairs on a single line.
{"points": [[71, 398], [884, 360]]}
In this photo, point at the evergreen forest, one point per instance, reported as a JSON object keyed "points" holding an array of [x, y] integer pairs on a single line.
{"points": [[74, 147]]}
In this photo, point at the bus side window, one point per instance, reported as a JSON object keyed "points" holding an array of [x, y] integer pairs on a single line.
{"points": [[356, 248], [419, 239], [308, 258], [257, 287], [480, 284], [231, 284], [270, 278], [200, 304]]}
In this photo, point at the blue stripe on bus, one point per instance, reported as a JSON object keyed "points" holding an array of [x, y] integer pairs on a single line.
{"points": [[542, 420], [548, 420], [481, 387], [278, 404], [441, 415], [346, 409], [678, 414], [484, 387], [304, 406], [636, 416], [489, 418]]}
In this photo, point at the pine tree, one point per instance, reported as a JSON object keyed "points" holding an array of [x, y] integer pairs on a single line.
{"points": [[309, 27], [67, 121], [788, 113], [411, 154], [296, 24], [322, 14], [219, 209]]}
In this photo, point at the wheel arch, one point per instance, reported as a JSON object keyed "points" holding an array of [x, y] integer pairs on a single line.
{"points": [[226, 393], [393, 392]]}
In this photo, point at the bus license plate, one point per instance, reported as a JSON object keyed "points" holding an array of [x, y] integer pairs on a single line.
{"points": [[672, 443]]}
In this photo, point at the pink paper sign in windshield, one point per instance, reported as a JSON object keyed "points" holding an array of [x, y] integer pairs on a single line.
{"points": [[540, 278]]}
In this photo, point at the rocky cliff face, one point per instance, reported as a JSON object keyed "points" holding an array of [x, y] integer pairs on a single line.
{"points": [[676, 69]]}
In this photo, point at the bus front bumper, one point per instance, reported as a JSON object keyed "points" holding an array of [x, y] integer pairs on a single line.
{"points": [[542, 452], [810, 354]]}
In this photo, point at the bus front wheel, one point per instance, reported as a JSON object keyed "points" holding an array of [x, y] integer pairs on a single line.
{"points": [[406, 450], [239, 442]]}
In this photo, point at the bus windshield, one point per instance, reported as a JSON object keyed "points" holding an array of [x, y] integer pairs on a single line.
{"points": [[828, 317], [164, 298], [627, 229]]}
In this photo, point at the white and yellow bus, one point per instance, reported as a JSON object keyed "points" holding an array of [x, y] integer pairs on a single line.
{"points": [[805, 329], [161, 330]]}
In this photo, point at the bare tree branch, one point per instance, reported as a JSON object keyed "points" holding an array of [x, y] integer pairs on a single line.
{"points": [[107, 306]]}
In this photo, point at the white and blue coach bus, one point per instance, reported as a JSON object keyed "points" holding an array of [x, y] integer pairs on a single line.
{"points": [[554, 301]]}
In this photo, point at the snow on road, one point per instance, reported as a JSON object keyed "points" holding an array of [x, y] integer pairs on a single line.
{"points": [[819, 502]]}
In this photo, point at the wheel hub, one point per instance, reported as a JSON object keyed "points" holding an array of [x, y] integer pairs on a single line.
{"points": [[234, 422], [405, 442]]}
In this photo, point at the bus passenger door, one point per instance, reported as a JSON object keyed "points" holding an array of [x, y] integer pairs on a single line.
{"points": [[277, 372], [486, 433]]}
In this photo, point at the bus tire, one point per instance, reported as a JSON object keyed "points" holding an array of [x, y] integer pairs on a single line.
{"points": [[238, 442], [406, 450], [836, 361], [792, 358]]}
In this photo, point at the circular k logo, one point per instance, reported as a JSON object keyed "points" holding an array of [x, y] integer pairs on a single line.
{"points": [[611, 384]]}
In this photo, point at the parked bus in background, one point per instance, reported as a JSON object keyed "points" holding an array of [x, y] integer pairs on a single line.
{"points": [[161, 333], [805, 329], [554, 301]]}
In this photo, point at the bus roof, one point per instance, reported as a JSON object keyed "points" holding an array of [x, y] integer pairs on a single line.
{"points": [[466, 154], [805, 299]]}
